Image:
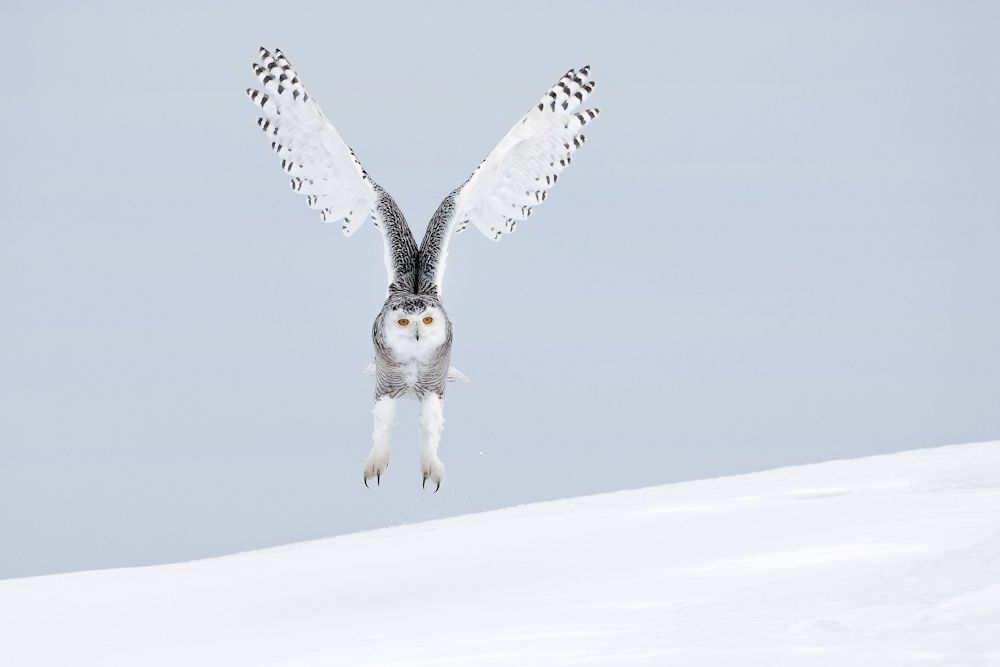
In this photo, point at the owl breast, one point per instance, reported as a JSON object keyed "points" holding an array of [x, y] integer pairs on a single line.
{"points": [[409, 350], [413, 348], [415, 367]]}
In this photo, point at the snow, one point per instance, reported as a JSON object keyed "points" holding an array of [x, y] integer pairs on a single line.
{"points": [[887, 560]]}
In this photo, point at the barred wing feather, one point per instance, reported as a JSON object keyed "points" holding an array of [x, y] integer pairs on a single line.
{"points": [[518, 173], [324, 168], [516, 176]]}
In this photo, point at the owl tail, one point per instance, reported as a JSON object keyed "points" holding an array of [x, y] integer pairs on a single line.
{"points": [[455, 375]]}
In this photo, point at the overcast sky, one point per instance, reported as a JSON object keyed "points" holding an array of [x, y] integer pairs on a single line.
{"points": [[780, 245]]}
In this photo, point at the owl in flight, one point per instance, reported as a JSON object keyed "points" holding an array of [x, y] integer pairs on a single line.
{"points": [[412, 333]]}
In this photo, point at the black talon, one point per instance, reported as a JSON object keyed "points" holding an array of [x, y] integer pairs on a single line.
{"points": [[378, 479], [366, 481], [438, 487], [424, 484]]}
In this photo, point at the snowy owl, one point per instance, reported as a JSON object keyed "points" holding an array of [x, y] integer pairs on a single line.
{"points": [[412, 333]]}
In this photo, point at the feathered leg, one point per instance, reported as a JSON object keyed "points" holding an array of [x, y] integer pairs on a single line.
{"points": [[378, 457], [431, 425]]}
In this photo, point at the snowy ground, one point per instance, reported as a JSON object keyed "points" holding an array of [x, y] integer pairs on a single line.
{"points": [[889, 560]]}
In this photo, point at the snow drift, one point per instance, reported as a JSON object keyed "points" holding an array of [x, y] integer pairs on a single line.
{"points": [[888, 560]]}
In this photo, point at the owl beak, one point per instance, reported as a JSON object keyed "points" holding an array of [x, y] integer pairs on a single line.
{"points": [[417, 333]]}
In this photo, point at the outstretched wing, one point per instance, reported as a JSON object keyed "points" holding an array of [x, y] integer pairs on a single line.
{"points": [[325, 169], [515, 176]]}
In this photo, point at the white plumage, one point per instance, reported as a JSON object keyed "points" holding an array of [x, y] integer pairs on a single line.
{"points": [[412, 335], [322, 166], [516, 174]]}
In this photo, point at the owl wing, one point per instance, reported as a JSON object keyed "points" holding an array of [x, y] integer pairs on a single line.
{"points": [[325, 169], [514, 177]]}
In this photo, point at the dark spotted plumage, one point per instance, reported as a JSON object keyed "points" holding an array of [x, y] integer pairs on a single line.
{"points": [[434, 247], [400, 248]]}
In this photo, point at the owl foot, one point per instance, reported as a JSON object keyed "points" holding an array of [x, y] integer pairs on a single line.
{"points": [[432, 469], [378, 461]]}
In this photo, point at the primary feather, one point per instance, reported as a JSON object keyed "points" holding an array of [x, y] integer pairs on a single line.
{"points": [[321, 165], [516, 174], [514, 177], [325, 169]]}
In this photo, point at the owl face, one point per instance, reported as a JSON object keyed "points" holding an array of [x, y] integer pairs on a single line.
{"points": [[415, 329]]}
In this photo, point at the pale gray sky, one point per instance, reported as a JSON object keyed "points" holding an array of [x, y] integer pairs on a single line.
{"points": [[780, 245]]}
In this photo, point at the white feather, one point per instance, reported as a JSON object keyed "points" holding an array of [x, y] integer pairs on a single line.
{"points": [[528, 160], [321, 164]]}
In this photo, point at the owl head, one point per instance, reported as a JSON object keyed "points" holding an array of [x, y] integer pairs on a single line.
{"points": [[415, 320]]}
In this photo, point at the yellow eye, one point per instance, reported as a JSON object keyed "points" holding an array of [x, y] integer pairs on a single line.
{"points": [[403, 322], [428, 319]]}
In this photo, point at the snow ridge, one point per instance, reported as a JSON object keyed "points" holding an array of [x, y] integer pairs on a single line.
{"points": [[886, 560]]}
